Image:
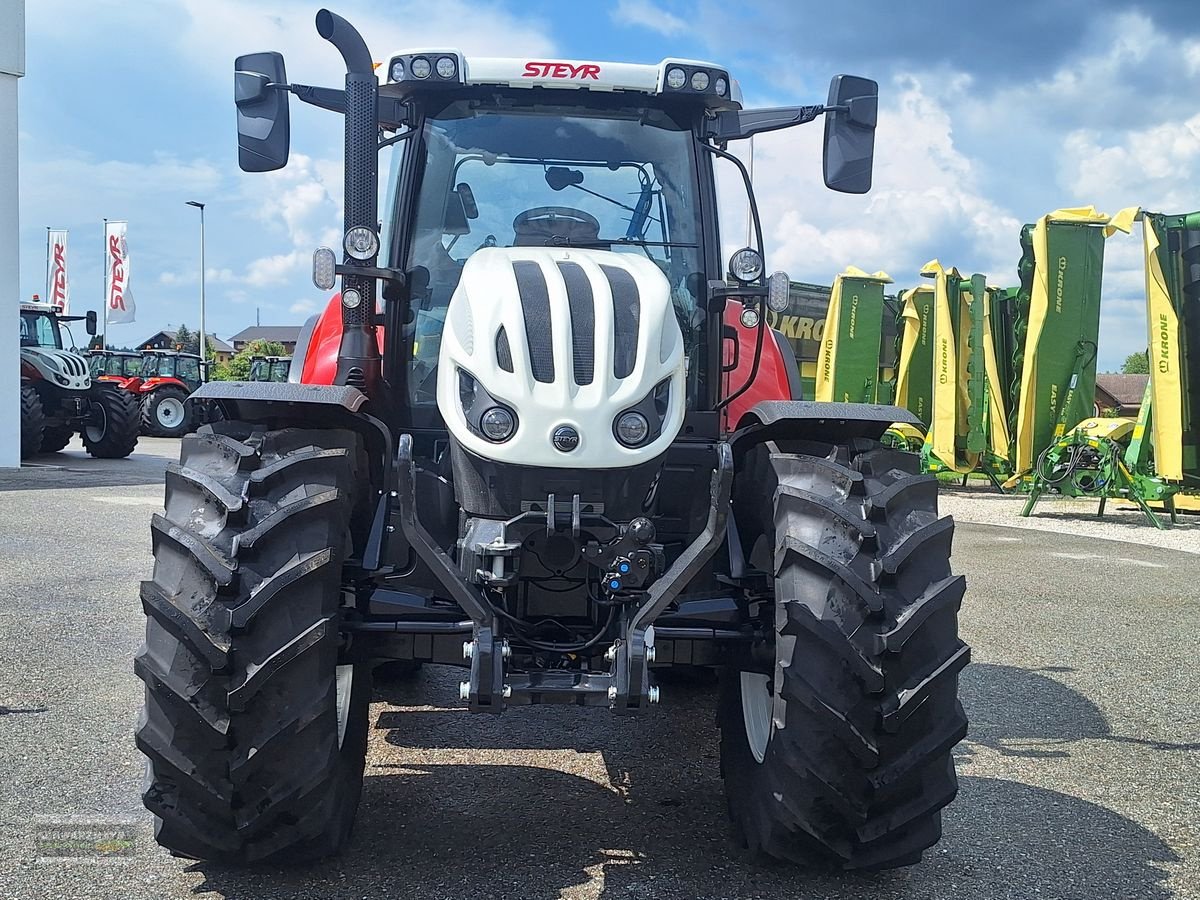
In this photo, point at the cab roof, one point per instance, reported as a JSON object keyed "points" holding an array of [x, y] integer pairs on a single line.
{"points": [[686, 79]]}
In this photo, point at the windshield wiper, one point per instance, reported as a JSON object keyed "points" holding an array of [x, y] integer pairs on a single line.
{"points": [[608, 242]]}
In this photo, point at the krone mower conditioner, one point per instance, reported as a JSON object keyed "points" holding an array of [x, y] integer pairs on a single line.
{"points": [[541, 437]]}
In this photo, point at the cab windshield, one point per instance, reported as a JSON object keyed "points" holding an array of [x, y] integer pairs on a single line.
{"points": [[39, 330], [503, 175]]}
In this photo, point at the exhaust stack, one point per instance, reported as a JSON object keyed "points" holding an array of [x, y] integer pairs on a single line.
{"points": [[358, 356]]}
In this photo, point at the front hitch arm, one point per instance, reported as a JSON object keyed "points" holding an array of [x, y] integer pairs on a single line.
{"points": [[631, 672], [486, 683]]}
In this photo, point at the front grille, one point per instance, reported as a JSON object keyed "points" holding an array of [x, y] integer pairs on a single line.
{"points": [[503, 351], [627, 305], [535, 307], [583, 321]]}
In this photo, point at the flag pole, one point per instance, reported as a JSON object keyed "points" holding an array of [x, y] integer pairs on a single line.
{"points": [[104, 294], [47, 294]]}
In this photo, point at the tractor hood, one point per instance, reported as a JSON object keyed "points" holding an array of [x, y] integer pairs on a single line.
{"points": [[563, 343], [62, 368]]}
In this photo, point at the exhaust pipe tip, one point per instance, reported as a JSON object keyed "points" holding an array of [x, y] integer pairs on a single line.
{"points": [[348, 41]]}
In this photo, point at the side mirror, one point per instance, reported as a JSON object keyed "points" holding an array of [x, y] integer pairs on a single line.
{"points": [[470, 207], [90, 322], [260, 93], [850, 133]]}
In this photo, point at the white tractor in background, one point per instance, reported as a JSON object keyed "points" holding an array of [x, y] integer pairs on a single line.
{"points": [[59, 397]]}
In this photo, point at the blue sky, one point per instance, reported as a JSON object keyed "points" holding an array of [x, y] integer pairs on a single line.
{"points": [[991, 115]]}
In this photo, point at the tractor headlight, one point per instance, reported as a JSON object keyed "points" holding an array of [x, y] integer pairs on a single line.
{"points": [[351, 298], [447, 67], [676, 78], [497, 424], [746, 265], [750, 317], [397, 70], [721, 86], [362, 242], [421, 67], [631, 428], [700, 81]]}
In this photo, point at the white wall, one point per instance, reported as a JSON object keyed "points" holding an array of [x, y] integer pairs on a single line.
{"points": [[12, 67]]}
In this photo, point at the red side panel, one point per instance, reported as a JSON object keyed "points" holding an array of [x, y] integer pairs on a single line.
{"points": [[155, 382], [772, 381], [320, 363]]}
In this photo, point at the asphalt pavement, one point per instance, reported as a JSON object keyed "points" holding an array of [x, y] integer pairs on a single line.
{"points": [[1078, 779]]}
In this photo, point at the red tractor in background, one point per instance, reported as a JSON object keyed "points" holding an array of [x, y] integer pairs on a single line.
{"points": [[121, 366], [545, 435], [165, 381]]}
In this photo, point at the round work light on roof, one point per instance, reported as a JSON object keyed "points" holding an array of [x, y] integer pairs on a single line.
{"points": [[447, 67], [676, 78], [721, 86], [421, 67], [746, 265], [397, 70], [700, 81]]}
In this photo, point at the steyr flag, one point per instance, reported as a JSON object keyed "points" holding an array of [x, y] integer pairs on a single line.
{"points": [[58, 286], [120, 307]]}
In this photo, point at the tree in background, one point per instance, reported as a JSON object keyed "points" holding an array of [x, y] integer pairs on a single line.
{"points": [[238, 368], [185, 340], [1136, 364]]}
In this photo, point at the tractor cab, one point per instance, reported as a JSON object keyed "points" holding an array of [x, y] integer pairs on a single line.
{"points": [[115, 365], [270, 368], [171, 365]]}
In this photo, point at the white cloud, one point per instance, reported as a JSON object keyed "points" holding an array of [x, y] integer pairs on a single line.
{"points": [[1156, 167], [305, 307], [278, 269], [642, 14], [926, 201]]}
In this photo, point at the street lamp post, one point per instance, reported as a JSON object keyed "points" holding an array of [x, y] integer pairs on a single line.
{"points": [[203, 333]]}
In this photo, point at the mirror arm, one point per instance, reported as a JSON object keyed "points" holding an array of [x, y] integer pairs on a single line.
{"points": [[326, 98], [735, 125], [393, 112]]}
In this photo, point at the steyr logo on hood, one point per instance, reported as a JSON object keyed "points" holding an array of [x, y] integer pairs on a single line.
{"points": [[562, 70], [565, 438]]}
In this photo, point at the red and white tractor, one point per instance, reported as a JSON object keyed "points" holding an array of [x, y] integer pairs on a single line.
{"points": [[59, 396], [543, 433]]}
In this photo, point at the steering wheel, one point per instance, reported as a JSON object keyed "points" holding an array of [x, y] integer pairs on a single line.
{"points": [[543, 224]]}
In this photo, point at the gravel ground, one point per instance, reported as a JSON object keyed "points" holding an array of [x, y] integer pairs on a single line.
{"points": [[1122, 521], [1078, 778]]}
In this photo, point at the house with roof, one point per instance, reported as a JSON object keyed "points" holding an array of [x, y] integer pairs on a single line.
{"points": [[279, 334], [1120, 393], [220, 352]]}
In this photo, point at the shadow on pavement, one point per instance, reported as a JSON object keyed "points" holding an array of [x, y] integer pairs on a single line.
{"points": [[1024, 713], [56, 471], [433, 826]]}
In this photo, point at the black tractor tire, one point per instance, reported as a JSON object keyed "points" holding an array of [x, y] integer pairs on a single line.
{"points": [[54, 438], [396, 671], [256, 735], [857, 720], [111, 428], [155, 407], [33, 422]]}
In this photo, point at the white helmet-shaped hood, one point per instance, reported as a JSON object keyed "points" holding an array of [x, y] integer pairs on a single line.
{"points": [[59, 367], [567, 341]]}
